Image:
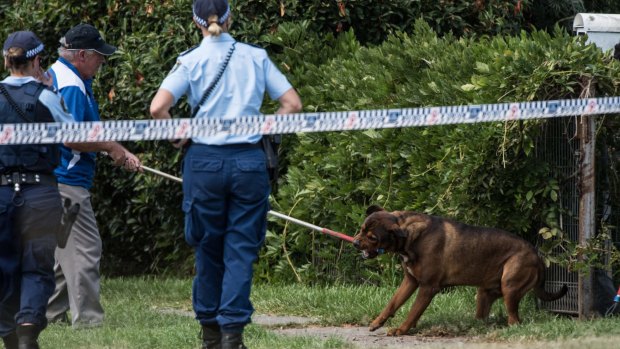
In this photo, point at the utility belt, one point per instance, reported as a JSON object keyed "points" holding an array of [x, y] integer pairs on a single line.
{"points": [[17, 179], [239, 146]]}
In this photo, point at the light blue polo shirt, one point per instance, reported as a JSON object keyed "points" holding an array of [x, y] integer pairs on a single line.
{"points": [[240, 91]]}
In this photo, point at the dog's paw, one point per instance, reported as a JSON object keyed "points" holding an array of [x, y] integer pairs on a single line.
{"points": [[395, 332], [373, 326]]}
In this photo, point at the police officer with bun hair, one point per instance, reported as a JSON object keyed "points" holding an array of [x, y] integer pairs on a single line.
{"points": [[225, 179], [30, 204]]}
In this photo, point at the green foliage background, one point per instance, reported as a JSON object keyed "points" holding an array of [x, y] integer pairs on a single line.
{"points": [[342, 55]]}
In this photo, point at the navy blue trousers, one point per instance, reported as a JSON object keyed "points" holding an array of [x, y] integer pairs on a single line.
{"points": [[225, 200], [28, 226]]}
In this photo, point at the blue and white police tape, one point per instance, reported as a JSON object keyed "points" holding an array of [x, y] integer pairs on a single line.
{"points": [[141, 130]]}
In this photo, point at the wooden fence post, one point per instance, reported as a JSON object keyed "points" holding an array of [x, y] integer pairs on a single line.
{"points": [[586, 132]]}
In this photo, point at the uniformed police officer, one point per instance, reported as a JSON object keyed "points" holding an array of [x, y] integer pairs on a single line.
{"points": [[30, 204], [225, 180]]}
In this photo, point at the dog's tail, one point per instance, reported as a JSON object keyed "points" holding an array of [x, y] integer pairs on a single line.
{"points": [[539, 289]]}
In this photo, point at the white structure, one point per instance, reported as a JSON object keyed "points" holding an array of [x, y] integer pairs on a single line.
{"points": [[602, 29]]}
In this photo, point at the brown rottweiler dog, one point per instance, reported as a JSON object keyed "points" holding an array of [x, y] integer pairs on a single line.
{"points": [[438, 252]]}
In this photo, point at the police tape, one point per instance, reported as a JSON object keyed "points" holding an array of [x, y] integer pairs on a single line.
{"points": [[142, 130]]}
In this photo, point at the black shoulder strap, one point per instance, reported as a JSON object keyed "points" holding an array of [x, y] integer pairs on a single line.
{"points": [[215, 81], [11, 101]]}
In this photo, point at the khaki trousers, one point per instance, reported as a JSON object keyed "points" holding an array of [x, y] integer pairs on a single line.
{"points": [[77, 267]]}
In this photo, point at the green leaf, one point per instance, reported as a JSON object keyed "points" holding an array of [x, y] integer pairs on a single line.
{"points": [[529, 195], [482, 67], [468, 87], [554, 195]]}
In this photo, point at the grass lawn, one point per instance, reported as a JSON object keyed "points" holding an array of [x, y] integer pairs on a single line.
{"points": [[152, 313]]}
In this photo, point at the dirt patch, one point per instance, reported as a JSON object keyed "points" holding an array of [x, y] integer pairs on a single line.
{"points": [[360, 337]]}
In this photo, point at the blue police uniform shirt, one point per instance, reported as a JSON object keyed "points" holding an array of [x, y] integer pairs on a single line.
{"points": [[240, 92], [49, 99], [76, 168]]}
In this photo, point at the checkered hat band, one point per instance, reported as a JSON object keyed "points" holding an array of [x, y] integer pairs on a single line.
{"points": [[35, 51], [204, 23]]}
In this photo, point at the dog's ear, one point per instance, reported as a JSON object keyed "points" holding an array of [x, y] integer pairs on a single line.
{"points": [[372, 209], [414, 229]]}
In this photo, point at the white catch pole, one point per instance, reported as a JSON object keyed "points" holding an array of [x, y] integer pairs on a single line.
{"points": [[273, 213]]}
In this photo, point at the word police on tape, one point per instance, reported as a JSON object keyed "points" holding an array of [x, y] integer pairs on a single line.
{"points": [[141, 130]]}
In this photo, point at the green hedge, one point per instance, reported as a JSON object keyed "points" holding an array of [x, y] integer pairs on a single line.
{"points": [[341, 55], [482, 174]]}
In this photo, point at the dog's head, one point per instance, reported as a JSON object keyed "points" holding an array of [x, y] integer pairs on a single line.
{"points": [[380, 231]]}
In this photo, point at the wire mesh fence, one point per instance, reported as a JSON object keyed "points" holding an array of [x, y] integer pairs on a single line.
{"points": [[559, 147]]}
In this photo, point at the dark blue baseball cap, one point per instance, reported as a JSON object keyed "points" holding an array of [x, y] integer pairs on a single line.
{"points": [[26, 40], [86, 37], [203, 9]]}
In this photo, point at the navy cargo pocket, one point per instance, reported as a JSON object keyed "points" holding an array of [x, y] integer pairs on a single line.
{"points": [[189, 236], [199, 164], [251, 179], [38, 255], [251, 165]]}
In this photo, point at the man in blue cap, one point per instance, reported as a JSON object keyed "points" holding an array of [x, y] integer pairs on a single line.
{"points": [[225, 180], [82, 52], [30, 204]]}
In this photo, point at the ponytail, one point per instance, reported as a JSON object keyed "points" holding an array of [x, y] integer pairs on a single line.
{"points": [[16, 58], [214, 27]]}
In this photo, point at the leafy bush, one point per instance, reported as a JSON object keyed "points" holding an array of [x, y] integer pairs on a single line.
{"points": [[483, 174], [341, 55]]}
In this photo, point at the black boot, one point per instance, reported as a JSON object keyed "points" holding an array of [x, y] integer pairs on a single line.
{"points": [[10, 340], [211, 337], [27, 336], [232, 341]]}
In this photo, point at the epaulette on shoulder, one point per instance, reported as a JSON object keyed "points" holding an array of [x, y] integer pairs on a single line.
{"points": [[188, 51]]}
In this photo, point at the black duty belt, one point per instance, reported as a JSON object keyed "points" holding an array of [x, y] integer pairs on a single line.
{"points": [[239, 146], [20, 178]]}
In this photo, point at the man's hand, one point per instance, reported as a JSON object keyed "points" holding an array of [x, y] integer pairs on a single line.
{"points": [[121, 157], [132, 163]]}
